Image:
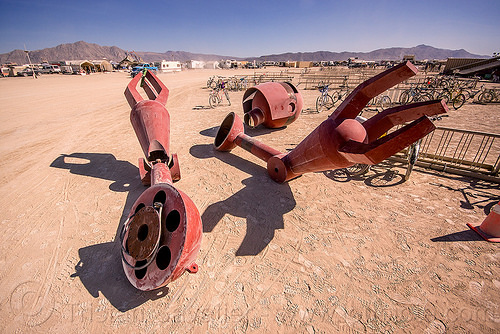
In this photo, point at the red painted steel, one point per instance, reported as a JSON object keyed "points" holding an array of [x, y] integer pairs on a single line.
{"points": [[273, 104], [150, 119], [341, 141], [162, 234]]}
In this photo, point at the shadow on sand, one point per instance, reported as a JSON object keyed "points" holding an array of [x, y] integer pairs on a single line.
{"points": [[262, 202], [100, 266]]}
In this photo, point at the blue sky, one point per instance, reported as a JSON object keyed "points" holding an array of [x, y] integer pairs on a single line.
{"points": [[252, 28]]}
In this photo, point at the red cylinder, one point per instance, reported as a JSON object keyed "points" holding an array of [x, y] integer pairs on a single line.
{"points": [[151, 123], [160, 173], [338, 142], [162, 234], [231, 134], [179, 243], [273, 104]]}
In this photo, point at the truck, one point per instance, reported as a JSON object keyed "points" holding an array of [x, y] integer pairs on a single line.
{"points": [[139, 68]]}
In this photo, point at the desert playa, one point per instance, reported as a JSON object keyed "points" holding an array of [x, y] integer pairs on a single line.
{"points": [[323, 253]]}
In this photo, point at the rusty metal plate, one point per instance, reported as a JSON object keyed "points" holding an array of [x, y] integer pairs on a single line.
{"points": [[144, 233]]}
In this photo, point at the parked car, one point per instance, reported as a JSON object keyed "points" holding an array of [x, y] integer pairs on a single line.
{"points": [[50, 69], [28, 71], [66, 69], [139, 68]]}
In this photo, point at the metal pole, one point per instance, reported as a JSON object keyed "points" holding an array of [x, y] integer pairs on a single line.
{"points": [[29, 60]]}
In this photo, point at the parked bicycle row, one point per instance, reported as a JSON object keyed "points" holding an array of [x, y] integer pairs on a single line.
{"points": [[281, 76], [233, 83], [454, 96], [237, 83], [451, 82], [329, 97]]}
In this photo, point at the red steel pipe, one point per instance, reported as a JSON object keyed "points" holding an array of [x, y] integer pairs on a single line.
{"points": [[232, 126], [162, 234], [341, 141]]}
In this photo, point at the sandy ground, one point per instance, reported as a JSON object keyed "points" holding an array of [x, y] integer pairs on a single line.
{"points": [[323, 253]]}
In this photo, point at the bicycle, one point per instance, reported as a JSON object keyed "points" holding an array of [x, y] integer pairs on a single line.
{"points": [[414, 94], [358, 169], [233, 84], [414, 150], [341, 92], [456, 97], [471, 94], [212, 81], [488, 96], [215, 97], [243, 84], [324, 101], [411, 155], [382, 101]]}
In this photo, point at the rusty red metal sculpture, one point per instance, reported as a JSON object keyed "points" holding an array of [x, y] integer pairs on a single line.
{"points": [[341, 141], [162, 234], [272, 104]]}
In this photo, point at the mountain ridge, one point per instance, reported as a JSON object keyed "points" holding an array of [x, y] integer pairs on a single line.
{"points": [[91, 51]]}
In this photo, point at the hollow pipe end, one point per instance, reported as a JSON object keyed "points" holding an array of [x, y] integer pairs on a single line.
{"points": [[254, 117], [229, 129], [278, 170], [176, 232]]}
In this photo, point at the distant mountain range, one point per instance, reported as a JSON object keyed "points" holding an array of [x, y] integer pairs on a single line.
{"points": [[83, 50], [421, 52]]}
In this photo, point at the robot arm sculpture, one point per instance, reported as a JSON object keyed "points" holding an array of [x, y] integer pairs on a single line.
{"points": [[341, 141], [162, 234]]}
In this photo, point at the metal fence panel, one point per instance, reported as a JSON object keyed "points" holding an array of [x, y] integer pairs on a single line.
{"points": [[456, 151]]}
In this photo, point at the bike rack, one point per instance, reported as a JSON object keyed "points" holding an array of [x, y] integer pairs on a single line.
{"points": [[462, 152], [341, 141], [161, 236]]}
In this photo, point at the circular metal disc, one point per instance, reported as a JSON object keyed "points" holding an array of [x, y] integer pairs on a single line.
{"points": [[144, 233]]}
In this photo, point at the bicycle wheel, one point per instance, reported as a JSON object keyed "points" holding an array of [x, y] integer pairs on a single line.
{"points": [[487, 97], [443, 83], [234, 84], [468, 94], [413, 151], [319, 103], [445, 97], [357, 169], [324, 102], [344, 95], [385, 102], [424, 97], [213, 100], [328, 102], [335, 97], [244, 84], [404, 98], [458, 101]]}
